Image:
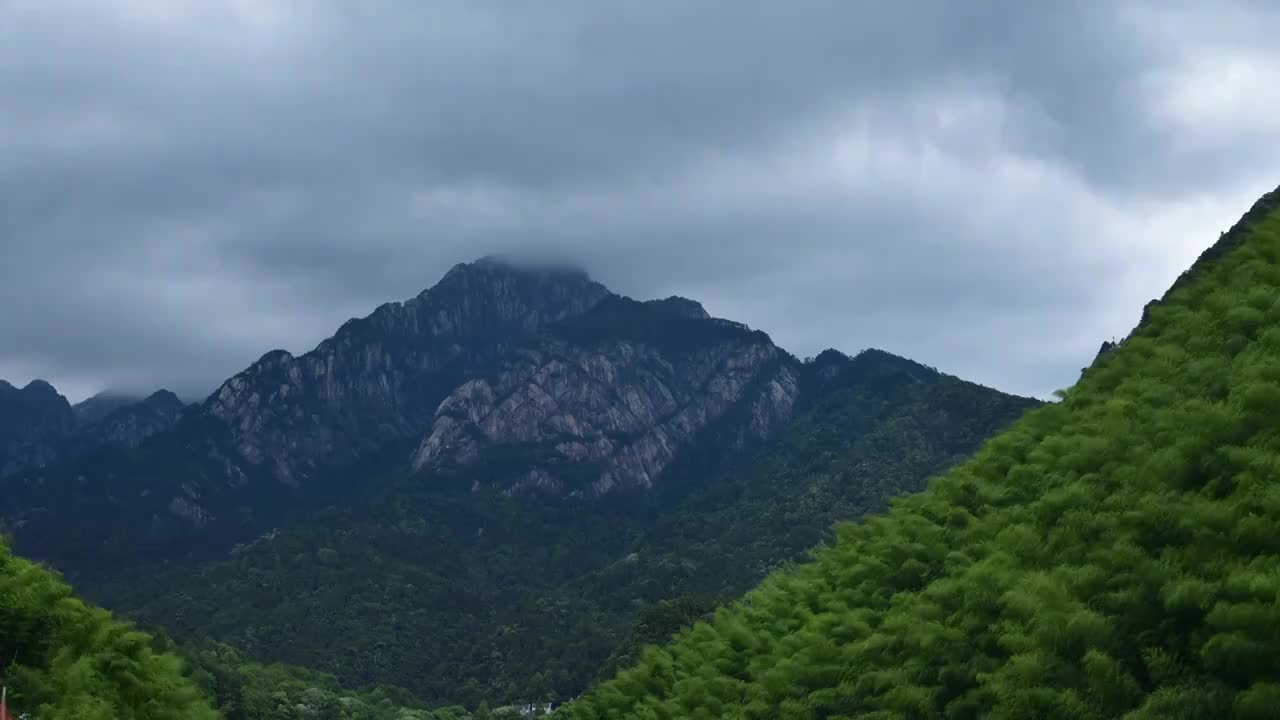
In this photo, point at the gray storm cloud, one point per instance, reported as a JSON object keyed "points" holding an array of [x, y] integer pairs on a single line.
{"points": [[989, 187]]}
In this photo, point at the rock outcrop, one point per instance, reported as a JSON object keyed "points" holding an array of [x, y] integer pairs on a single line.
{"points": [[377, 382], [612, 413]]}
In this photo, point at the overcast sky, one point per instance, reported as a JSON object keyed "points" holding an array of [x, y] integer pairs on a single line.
{"points": [[992, 188]]}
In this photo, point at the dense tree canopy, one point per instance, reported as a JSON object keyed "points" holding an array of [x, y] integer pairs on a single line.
{"points": [[66, 660], [246, 690], [466, 595], [1113, 555]]}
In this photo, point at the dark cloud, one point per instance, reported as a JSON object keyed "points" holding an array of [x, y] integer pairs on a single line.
{"points": [[990, 187]]}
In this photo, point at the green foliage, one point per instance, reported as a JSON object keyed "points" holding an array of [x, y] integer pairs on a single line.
{"points": [[244, 690], [1113, 555], [657, 623], [466, 596], [74, 662]]}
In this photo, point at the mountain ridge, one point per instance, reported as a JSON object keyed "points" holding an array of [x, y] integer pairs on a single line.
{"points": [[638, 381], [40, 427]]}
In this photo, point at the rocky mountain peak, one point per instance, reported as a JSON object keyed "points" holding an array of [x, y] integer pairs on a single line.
{"points": [[538, 358], [42, 389], [37, 399], [495, 295], [680, 306], [503, 265], [606, 401], [378, 380], [163, 398]]}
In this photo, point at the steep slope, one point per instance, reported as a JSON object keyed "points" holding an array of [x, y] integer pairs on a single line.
{"points": [[39, 427], [377, 382], [872, 427], [1114, 555], [455, 583], [606, 401], [127, 425], [69, 660]]}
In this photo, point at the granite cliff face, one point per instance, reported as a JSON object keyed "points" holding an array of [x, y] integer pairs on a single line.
{"points": [[607, 403], [567, 378], [377, 382], [39, 427]]}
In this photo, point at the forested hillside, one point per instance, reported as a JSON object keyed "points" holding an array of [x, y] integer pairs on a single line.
{"points": [[1112, 555], [464, 594], [64, 660], [241, 689]]}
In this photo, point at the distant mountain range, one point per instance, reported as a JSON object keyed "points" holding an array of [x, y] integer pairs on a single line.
{"points": [[586, 392], [39, 427]]}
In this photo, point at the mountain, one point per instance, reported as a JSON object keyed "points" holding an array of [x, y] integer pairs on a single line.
{"points": [[39, 427], [122, 423], [32, 421], [574, 384], [463, 585], [606, 401], [1111, 555], [95, 408], [377, 382]]}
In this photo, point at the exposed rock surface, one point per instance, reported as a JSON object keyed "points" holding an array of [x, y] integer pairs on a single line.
{"points": [[586, 420], [379, 379]]}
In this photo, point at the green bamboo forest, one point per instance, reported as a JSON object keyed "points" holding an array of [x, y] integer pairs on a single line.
{"points": [[1113, 555], [66, 660]]}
